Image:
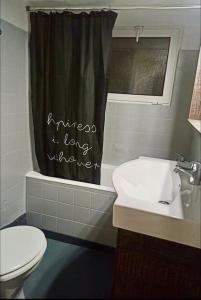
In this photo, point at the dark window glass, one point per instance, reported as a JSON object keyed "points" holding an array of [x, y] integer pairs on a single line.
{"points": [[139, 68]]}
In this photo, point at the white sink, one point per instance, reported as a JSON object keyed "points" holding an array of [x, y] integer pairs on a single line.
{"points": [[142, 185], [150, 185]]}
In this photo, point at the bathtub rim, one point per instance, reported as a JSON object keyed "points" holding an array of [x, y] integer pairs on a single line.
{"points": [[39, 176]]}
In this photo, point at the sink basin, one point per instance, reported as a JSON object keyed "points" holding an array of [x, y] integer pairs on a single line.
{"points": [[149, 184], [150, 198]]}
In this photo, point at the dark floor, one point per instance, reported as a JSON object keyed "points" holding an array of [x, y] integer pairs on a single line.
{"points": [[71, 271]]}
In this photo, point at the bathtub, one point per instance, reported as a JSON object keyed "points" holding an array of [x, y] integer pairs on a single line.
{"points": [[72, 208]]}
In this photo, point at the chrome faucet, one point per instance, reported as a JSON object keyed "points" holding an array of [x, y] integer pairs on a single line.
{"points": [[192, 169]]}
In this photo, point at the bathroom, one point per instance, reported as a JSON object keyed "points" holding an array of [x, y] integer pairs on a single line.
{"points": [[100, 149]]}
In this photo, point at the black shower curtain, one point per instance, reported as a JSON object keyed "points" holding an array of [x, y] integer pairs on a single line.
{"points": [[69, 61]]}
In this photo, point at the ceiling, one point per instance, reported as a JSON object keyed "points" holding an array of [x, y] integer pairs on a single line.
{"points": [[112, 3]]}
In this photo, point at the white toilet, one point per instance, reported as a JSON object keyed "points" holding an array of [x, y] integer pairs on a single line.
{"points": [[21, 250]]}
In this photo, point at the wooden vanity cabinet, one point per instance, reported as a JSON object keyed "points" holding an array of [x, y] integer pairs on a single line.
{"points": [[152, 268]]}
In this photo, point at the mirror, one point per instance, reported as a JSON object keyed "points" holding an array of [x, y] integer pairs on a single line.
{"points": [[195, 110]]}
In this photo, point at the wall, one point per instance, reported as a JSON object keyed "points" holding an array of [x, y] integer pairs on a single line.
{"points": [[187, 20], [14, 12], [195, 147], [132, 130], [160, 131], [15, 148]]}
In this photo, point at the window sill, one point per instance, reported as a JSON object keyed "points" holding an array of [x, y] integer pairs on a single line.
{"points": [[196, 124]]}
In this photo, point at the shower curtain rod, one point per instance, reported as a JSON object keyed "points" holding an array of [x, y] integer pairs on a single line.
{"points": [[29, 8]]}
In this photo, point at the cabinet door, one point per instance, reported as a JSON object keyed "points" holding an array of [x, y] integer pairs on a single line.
{"points": [[151, 268]]}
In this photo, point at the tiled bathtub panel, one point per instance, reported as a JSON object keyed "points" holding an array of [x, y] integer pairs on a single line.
{"points": [[49, 223], [40, 189], [75, 211], [34, 204], [42, 221], [83, 215], [83, 231], [83, 198], [34, 187], [34, 219], [92, 198], [75, 229], [102, 236], [66, 195], [94, 234], [42, 206], [73, 187], [65, 211], [50, 207], [65, 227], [50, 191], [103, 202], [100, 219]]}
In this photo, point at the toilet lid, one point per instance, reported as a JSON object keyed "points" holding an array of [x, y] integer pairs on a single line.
{"points": [[19, 246]]}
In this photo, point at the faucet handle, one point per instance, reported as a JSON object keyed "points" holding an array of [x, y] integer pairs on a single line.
{"points": [[196, 166], [196, 172], [180, 157], [186, 165]]}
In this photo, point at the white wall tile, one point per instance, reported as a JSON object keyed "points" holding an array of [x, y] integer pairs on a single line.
{"points": [[34, 187], [3, 219], [66, 195], [50, 192], [81, 214], [10, 175], [103, 202], [35, 204], [100, 219], [82, 231], [83, 198], [49, 207], [12, 104], [12, 211], [13, 141], [34, 219], [49, 223], [65, 227], [16, 191], [65, 211], [15, 154], [13, 123]]}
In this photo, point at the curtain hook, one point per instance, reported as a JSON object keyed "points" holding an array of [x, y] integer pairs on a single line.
{"points": [[138, 30]]}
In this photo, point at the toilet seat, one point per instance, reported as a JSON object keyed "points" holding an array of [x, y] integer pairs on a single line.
{"points": [[22, 247]]}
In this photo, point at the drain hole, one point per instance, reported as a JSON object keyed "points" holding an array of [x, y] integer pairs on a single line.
{"points": [[164, 202]]}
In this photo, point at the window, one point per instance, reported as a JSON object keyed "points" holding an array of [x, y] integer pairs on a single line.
{"points": [[143, 72]]}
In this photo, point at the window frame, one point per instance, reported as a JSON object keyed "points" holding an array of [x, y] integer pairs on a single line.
{"points": [[175, 42]]}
